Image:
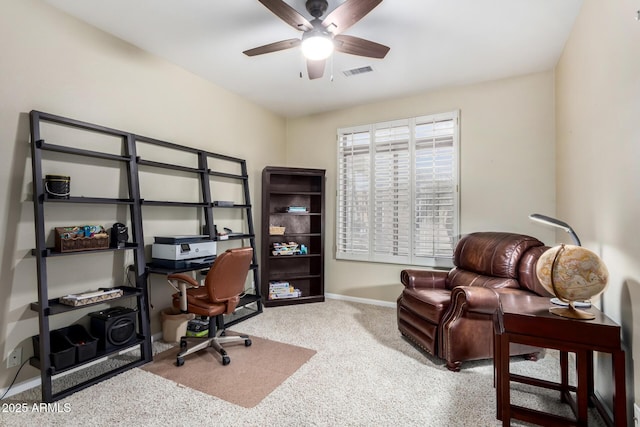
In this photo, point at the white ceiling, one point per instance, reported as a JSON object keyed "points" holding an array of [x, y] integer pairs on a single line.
{"points": [[434, 43]]}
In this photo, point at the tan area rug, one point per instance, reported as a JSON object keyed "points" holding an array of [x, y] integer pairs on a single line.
{"points": [[253, 373]]}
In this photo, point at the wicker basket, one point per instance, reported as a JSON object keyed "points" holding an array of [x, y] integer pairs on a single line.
{"points": [[69, 239], [276, 231]]}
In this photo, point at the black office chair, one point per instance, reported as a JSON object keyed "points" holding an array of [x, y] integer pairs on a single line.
{"points": [[219, 296]]}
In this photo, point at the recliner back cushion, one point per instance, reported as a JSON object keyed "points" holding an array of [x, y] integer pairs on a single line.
{"points": [[493, 254], [458, 277], [527, 271]]}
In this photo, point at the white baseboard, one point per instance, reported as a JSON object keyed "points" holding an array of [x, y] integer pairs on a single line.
{"points": [[362, 300], [22, 386]]}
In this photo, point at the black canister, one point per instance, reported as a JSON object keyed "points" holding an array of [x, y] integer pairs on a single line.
{"points": [[57, 186]]}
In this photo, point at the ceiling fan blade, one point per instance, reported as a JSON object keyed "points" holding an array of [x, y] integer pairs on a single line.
{"points": [[361, 47], [347, 14], [315, 69], [272, 47], [287, 14]]}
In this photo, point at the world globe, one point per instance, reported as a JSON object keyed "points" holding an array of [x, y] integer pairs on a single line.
{"points": [[572, 273]]}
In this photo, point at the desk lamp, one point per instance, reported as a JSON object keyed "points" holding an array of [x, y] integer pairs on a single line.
{"points": [[556, 223]]}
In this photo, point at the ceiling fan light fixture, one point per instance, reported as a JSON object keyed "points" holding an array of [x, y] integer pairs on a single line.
{"points": [[316, 45], [322, 34]]}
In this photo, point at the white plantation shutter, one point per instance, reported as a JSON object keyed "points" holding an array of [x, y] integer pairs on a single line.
{"points": [[354, 176], [397, 196], [392, 192], [436, 198]]}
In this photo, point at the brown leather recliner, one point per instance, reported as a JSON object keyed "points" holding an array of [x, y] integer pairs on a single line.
{"points": [[450, 314]]}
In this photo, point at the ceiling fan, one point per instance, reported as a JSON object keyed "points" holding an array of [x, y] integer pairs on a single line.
{"points": [[321, 37]]}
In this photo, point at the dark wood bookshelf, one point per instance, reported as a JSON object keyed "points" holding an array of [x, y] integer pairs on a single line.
{"points": [[283, 188]]}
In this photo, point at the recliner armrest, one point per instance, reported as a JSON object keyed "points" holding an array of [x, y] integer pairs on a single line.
{"points": [[475, 299], [424, 279], [513, 299]]}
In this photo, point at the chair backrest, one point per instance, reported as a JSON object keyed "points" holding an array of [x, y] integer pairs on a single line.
{"points": [[228, 275], [490, 259], [527, 271], [493, 253]]}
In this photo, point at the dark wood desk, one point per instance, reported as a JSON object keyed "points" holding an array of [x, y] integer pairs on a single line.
{"points": [[537, 327]]}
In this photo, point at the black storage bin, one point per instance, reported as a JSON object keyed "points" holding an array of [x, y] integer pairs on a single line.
{"points": [[86, 345], [63, 353]]}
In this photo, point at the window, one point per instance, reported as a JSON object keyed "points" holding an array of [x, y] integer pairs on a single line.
{"points": [[397, 197]]}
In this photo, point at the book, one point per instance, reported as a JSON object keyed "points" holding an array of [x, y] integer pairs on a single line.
{"points": [[283, 295], [296, 209]]}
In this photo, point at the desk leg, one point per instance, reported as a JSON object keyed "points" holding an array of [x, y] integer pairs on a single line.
{"points": [[496, 374], [590, 381], [503, 369], [564, 376], [619, 394], [582, 393]]}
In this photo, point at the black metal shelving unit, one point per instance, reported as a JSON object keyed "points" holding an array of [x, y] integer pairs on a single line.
{"points": [[47, 307], [251, 303]]}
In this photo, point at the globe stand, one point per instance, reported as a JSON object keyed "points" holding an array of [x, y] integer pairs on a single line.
{"points": [[571, 312], [576, 304]]}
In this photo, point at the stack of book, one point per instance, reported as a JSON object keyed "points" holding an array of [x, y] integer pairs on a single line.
{"points": [[90, 297], [294, 209], [280, 290], [291, 248]]}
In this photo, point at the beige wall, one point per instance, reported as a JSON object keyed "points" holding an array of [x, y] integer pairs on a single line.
{"points": [[54, 63], [598, 155], [507, 164]]}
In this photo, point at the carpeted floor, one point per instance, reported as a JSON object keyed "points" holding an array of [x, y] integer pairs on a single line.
{"points": [[364, 373]]}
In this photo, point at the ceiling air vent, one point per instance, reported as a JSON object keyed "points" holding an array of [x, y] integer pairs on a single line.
{"points": [[356, 71]]}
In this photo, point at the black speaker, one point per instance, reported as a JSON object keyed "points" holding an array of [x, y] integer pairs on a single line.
{"points": [[114, 327]]}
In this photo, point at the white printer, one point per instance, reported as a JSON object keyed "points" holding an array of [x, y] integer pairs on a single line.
{"points": [[182, 251]]}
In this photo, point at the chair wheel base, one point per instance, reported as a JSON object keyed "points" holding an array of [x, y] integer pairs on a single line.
{"points": [[180, 361], [247, 343], [226, 360]]}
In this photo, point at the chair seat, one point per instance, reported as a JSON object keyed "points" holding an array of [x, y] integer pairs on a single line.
{"points": [[198, 303], [429, 304]]}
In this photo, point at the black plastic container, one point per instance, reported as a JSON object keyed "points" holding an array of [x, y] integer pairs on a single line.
{"points": [[69, 346], [86, 345], [63, 353]]}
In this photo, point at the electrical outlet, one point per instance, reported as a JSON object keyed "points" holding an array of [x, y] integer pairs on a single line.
{"points": [[14, 358]]}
